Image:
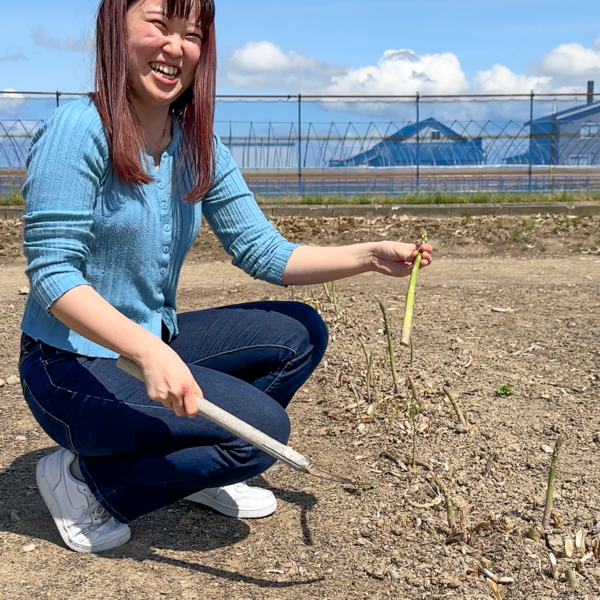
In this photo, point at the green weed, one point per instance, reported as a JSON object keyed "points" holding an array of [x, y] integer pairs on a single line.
{"points": [[12, 198], [522, 230], [361, 486], [505, 389]]}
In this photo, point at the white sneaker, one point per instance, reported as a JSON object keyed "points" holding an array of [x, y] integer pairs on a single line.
{"points": [[83, 523], [238, 500]]}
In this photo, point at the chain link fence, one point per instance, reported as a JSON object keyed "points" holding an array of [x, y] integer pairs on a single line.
{"points": [[351, 145]]}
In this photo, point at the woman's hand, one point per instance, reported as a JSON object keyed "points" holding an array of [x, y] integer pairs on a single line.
{"points": [[397, 259], [169, 380]]}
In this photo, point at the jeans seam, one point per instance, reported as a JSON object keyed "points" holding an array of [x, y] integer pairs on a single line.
{"points": [[58, 387], [287, 364], [243, 348], [256, 346], [54, 418], [103, 497]]}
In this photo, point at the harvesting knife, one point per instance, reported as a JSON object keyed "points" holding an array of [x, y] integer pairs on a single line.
{"points": [[245, 431]]}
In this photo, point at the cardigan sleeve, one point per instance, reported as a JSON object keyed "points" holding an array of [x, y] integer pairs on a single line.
{"points": [[66, 166], [239, 223]]}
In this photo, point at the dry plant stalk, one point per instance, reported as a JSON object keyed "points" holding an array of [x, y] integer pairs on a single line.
{"points": [[410, 296], [331, 296], [551, 479], [495, 589], [413, 408], [388, 332], [571, 578], [463, 517], [457, 409], [554, 567], [369, 374], [448, 502]]}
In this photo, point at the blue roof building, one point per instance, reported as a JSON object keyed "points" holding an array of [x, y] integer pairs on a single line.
{"points": [[437, 145], [569, 137]]}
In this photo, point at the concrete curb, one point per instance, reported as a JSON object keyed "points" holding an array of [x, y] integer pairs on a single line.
{"points": [[578, 209], [10, 212]]}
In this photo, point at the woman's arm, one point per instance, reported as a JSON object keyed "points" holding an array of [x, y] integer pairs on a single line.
{"points": [[311, 265], [168, 379], [86, 312], [246, 234]]}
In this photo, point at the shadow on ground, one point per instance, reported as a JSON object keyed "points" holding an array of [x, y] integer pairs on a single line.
{"points": [[182, 527]]}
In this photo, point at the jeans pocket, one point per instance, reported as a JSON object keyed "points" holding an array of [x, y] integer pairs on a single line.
{"points": [[59, 431], [53, 355]]}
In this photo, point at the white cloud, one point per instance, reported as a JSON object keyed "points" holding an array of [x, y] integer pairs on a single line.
{"points": [[10, 101], [13, 57], [44, 41], [265, 65], [501, 80], [83, 44], [571, 60], [262, 65], [400, 72]]}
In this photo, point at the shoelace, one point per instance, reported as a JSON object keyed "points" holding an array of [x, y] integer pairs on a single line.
{"points": [[95, 510]]}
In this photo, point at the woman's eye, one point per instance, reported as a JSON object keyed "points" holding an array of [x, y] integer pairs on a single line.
{"points": [[159, 24], [196, 36]]}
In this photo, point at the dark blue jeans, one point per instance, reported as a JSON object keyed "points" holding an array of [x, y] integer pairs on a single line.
{"points": [[138, 456]]}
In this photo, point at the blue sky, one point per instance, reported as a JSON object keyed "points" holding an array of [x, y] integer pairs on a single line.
{"points": [[339, 36]]}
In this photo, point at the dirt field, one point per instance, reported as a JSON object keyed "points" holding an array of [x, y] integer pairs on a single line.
{"points": [[389, 535]]}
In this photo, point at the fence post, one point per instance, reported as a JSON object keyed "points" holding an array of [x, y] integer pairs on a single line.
{"points": [[418, 147], [530, 140], [57, 99], [300, 190]]}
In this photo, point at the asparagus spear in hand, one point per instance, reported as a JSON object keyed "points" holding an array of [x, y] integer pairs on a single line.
{"points": [[410, 296]]}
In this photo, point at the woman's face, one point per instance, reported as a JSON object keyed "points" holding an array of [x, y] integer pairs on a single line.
{"points": [[163, 53]]}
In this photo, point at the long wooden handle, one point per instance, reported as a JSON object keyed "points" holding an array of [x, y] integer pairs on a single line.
{"points": [[232, 423]]}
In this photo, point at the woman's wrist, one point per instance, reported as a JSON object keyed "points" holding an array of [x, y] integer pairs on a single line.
{"points": [[146, 345], [370, 259]]}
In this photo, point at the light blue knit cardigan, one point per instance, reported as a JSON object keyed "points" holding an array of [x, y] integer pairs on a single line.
{"points": [[84, 227]]}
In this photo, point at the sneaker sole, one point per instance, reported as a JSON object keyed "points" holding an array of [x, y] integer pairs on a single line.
{"points": [[257, 513], [54, 508]]}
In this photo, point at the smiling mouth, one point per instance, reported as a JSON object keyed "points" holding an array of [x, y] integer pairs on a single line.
{"points": [[165, 71]]}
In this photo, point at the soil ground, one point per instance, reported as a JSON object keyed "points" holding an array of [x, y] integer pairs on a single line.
{"points": [[387, 536]]}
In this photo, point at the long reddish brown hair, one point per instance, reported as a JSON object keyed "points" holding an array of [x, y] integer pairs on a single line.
{"points": [[195, 107]]}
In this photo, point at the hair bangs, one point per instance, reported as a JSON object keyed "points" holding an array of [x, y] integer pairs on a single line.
{"points": [[182, 9]]}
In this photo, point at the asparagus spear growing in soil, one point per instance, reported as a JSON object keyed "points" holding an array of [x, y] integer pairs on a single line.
{"points": [[551, 479], [388, 333], [448, 501], [456, 405], [410, 296]]}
